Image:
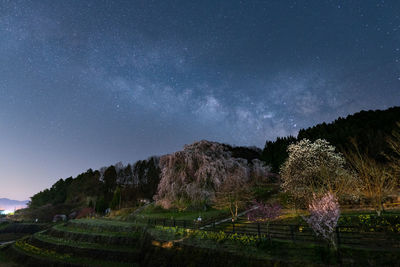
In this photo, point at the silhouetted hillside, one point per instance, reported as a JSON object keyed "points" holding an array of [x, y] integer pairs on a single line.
{"points": [[127, 184], [121, 185], [368, 128]]}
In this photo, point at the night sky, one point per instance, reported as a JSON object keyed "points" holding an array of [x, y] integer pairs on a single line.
{"points": [[84, 84]]}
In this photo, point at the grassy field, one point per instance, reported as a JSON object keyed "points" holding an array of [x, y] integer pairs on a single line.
{"points": [[4, 260], [11, 236], [94, 231], [51, 255], [81, 238], [295, 217], [104, 223], [283, 251], [156, 212], [80, 244], [185, 242], [3, 225]]}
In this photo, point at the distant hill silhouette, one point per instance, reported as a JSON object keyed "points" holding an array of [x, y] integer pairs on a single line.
{"points": [[368, 128], [9, 204]]}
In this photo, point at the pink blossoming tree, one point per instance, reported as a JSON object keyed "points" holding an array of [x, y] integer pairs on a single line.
{"points": [[264, 213], [324, 216]]}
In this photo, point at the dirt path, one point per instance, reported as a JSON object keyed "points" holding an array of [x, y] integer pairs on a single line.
{"points": [[227, 219]]}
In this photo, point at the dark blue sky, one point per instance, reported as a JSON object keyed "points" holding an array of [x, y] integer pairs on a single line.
{"points": [[85, 84]]}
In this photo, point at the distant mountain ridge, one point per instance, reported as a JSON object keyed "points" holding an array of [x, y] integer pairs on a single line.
{"points": [[9, 204]]}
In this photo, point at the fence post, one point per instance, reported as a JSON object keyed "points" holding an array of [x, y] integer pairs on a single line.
{"points": [[338, 236], [259, 230], [292, 232]]}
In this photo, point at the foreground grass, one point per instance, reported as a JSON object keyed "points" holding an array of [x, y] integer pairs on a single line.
{"points": [[192, 238], [3, 225], [23, 247], [272, 251], [5, 261], [250, 247], [11, 236]]}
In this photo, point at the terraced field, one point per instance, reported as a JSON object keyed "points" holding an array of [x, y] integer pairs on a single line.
{"points": [[81, 243], [99, 242]]}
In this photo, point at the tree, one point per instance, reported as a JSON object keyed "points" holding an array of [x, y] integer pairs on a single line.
{"points": [[110, 179], [101, 205], [264, 213], [90, 205], [192, 177], [324, 216], [374, 181], [146, 175], [275, 153], [368, 127], [314, 167], [394, 157], [116, 201], [233, 194]]}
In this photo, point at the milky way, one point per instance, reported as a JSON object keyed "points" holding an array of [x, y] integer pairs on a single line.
{"points": [[88, 83]]}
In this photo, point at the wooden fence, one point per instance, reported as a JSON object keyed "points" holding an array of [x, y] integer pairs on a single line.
{"points": [[344, 235]]}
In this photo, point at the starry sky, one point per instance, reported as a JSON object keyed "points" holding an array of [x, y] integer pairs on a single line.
{"points": [[84, 84]]}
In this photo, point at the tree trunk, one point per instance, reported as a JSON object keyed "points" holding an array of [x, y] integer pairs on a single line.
{"points": [[379, 209], [120, 197], [232, 212], [378, 212], [236, 210]]}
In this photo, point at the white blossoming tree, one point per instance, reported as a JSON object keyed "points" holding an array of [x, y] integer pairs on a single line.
{"points": [[314, 168]]}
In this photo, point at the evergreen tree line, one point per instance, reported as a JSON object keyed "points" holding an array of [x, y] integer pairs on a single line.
{"points": [[111, 186], [115, 186], [369, 129]]}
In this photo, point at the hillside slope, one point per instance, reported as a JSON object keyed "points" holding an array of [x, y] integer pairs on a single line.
{"points": [[368, 128]]}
